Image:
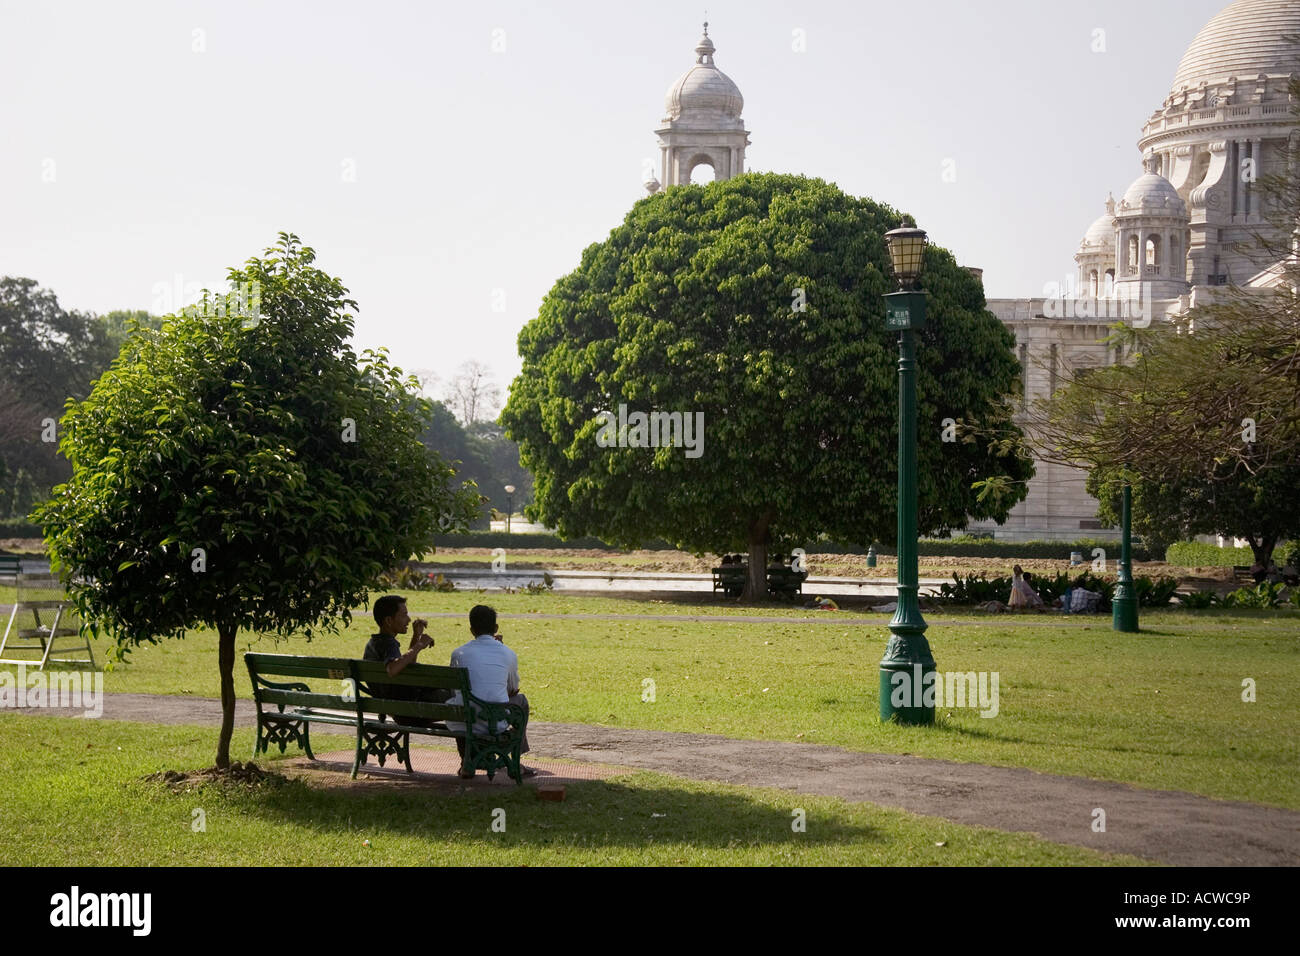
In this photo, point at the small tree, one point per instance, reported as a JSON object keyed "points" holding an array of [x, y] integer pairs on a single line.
{"points": [[237, 471]]}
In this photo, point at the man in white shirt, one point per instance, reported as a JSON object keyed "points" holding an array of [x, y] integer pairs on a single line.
{"points": [[493, 674]]}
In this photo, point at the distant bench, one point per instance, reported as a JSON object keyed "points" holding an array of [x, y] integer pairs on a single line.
{"points": [[781, 581], [343, 697]]}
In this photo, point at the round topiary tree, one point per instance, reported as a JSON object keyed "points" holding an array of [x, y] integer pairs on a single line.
{"points": [[240, 469], [753, 306]]}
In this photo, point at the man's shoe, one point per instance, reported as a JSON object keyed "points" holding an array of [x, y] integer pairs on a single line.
{"points": [[527, 771], [465, 774]]}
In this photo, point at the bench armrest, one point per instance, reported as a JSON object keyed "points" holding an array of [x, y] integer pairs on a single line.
{"points": [[492, 713]]}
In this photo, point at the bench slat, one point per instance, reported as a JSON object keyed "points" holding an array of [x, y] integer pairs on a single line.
{"points": [[286, 665]]}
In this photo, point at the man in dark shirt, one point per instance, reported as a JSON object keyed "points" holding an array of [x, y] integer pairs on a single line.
{"points": [[392, 617]]}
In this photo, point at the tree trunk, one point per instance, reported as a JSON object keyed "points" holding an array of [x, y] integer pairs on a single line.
{"points": [[1262, 547], [226, 665], [756, 582]]}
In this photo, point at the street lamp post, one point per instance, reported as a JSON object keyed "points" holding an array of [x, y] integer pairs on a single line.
{"points": [[907, 669], [510, 505], [1124, 605]]}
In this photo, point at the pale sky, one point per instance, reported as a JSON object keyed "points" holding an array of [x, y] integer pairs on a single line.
{"points": [[149, 146]]}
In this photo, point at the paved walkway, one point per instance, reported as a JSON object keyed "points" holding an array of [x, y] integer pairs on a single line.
{"points": [[1166, 826]]}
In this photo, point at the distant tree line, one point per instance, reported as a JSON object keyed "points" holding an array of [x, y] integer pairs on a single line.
{"points": [[49, 355]]}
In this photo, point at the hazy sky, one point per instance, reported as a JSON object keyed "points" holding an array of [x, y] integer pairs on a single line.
{"points": [[449, 162]]}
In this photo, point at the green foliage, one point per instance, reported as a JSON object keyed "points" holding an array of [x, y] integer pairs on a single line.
{"points": [[1291, 554], [407, 578], [975, 589], [1195, 554], [1155, 592], [756, 301], [1260, 508], [297, 472], [19, 528], [1198, 600], [21, 498], [1263, 595]]}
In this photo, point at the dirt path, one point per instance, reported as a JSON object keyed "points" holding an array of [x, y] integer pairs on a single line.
{"points": [[1166, 826]]}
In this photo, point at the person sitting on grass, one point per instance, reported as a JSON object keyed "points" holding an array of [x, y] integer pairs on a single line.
{"points": [[493, 675], [1022, 592], [392, 617]]}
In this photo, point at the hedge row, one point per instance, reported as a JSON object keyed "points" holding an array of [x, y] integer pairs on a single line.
{"points": [[954, 547], [1194, 554], [19, 528]]}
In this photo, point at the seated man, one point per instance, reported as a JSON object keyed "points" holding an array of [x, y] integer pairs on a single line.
{"points": [[493, 674], [392, 617]]}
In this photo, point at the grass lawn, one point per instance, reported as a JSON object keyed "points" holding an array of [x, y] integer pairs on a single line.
{"points": [[1160, 709], [77, 787]]}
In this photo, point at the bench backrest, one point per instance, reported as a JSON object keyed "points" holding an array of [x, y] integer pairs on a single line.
{"points": [[347, 684]]}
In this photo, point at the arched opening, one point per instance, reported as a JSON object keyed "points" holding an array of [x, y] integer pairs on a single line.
{"points": [[701, 173], [1153, 252], [1132, 253], [1110, 283]]}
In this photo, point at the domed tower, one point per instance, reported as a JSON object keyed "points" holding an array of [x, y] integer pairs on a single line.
{"points": [[1151, 239], [1225, 124], [702, 124], [1096, 255]]}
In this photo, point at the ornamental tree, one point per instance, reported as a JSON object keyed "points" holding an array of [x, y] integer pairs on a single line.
{"points": [[242, 470], [756, 303]]}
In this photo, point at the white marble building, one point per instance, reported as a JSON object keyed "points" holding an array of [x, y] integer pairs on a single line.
{"points": [[1172, 237], [1167, 243]]}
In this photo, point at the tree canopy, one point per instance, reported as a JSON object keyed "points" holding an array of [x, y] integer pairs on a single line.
{"points": [[245, 474], [756, 303]]}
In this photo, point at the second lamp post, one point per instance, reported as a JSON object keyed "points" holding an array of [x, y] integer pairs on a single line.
{"points": [[907, 660]]}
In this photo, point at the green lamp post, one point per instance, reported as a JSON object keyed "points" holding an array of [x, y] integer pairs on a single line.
{"points": [[907, 660], [1124, 605]]}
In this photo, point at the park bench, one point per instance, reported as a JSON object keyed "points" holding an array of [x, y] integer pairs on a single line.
{"points": [[10, 567], [730, 579], [346, 695], [784, 581]]}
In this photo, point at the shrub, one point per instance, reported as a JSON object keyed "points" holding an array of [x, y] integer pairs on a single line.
{"points": [[1264, 595], [1154, 592], [975, 589], [1194, 554], [408, 578], [1198, 600]]}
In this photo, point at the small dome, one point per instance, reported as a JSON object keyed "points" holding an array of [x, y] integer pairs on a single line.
{"points": [[1244, 39], [1102, 231], [1152, 193], [704, 87]]}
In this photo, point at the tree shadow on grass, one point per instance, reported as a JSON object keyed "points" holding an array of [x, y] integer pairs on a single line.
{"points": [[629, 812]]}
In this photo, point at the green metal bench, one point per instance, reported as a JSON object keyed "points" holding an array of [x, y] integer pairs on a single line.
{"points": [[343, 697], [785, 582], [730, 579]]}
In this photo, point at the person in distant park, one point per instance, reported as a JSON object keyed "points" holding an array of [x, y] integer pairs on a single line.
{"points": [[493, 674], [392, 617], [1022, 592]]}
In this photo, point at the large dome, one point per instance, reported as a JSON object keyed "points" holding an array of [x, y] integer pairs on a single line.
{"points": [[1244, 39], [704, 88]]}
